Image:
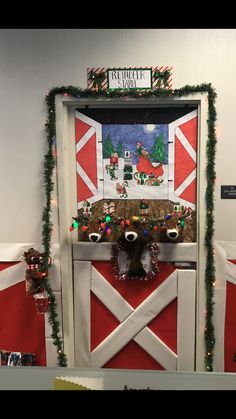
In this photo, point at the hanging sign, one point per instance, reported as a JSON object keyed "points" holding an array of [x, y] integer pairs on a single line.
{"points": [[141, 78], [129, 78]]}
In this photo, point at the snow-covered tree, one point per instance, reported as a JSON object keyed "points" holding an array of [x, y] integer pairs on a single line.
{"points": [[158, 150], [120, 150], [108, 148]]}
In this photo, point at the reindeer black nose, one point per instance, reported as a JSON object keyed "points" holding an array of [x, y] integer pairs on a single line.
{"points": [[172, 233], [131, 236], [94, 237]]}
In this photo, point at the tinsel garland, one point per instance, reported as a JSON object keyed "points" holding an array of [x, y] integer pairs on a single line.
{"points": [[78, 93], [153, 250]]}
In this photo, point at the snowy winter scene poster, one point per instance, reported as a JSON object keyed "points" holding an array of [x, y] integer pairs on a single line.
{"points": [[135, 161]]}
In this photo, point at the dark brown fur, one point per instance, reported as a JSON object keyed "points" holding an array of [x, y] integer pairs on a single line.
{"points": [[33, 276], [135, 248]]}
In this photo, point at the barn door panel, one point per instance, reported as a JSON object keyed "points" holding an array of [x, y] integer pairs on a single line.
{"points": [[183, 159], [121, 324], [133, 325], [88, 148]]}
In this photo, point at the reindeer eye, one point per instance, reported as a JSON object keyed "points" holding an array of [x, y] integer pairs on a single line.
{"points": [[33, 259]]}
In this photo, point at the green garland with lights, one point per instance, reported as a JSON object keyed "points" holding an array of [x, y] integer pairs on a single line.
{"points": [[49, 162]]}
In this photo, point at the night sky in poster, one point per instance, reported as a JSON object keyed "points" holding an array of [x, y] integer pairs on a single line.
{"points": [[130, 134]]}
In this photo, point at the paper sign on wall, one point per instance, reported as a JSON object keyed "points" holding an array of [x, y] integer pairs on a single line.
{"points": [[143, 78], [139, 78]]}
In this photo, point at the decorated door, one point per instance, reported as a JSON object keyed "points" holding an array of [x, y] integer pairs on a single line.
{"points": [[134, 324]]}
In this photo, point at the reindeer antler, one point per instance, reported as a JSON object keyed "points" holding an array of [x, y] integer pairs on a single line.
{"points": [[185, 215]]}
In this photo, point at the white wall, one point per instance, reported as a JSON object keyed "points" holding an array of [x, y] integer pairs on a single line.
{"points": [[34, 61]]}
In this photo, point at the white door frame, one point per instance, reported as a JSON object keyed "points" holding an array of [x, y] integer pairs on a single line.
{"points": [[66, 166]]}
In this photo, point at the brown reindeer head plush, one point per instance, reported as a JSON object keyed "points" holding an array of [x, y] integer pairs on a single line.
{"points": [[100, 225], [94, 232], [172, 225], [134, 239], [33, 276]]}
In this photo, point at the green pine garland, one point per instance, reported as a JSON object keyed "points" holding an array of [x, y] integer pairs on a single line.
{"points": [[49, 162]]}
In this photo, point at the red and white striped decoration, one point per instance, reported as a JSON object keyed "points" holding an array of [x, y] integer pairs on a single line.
{"points": [[104, 84], [96, 70], [161, 69]]}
